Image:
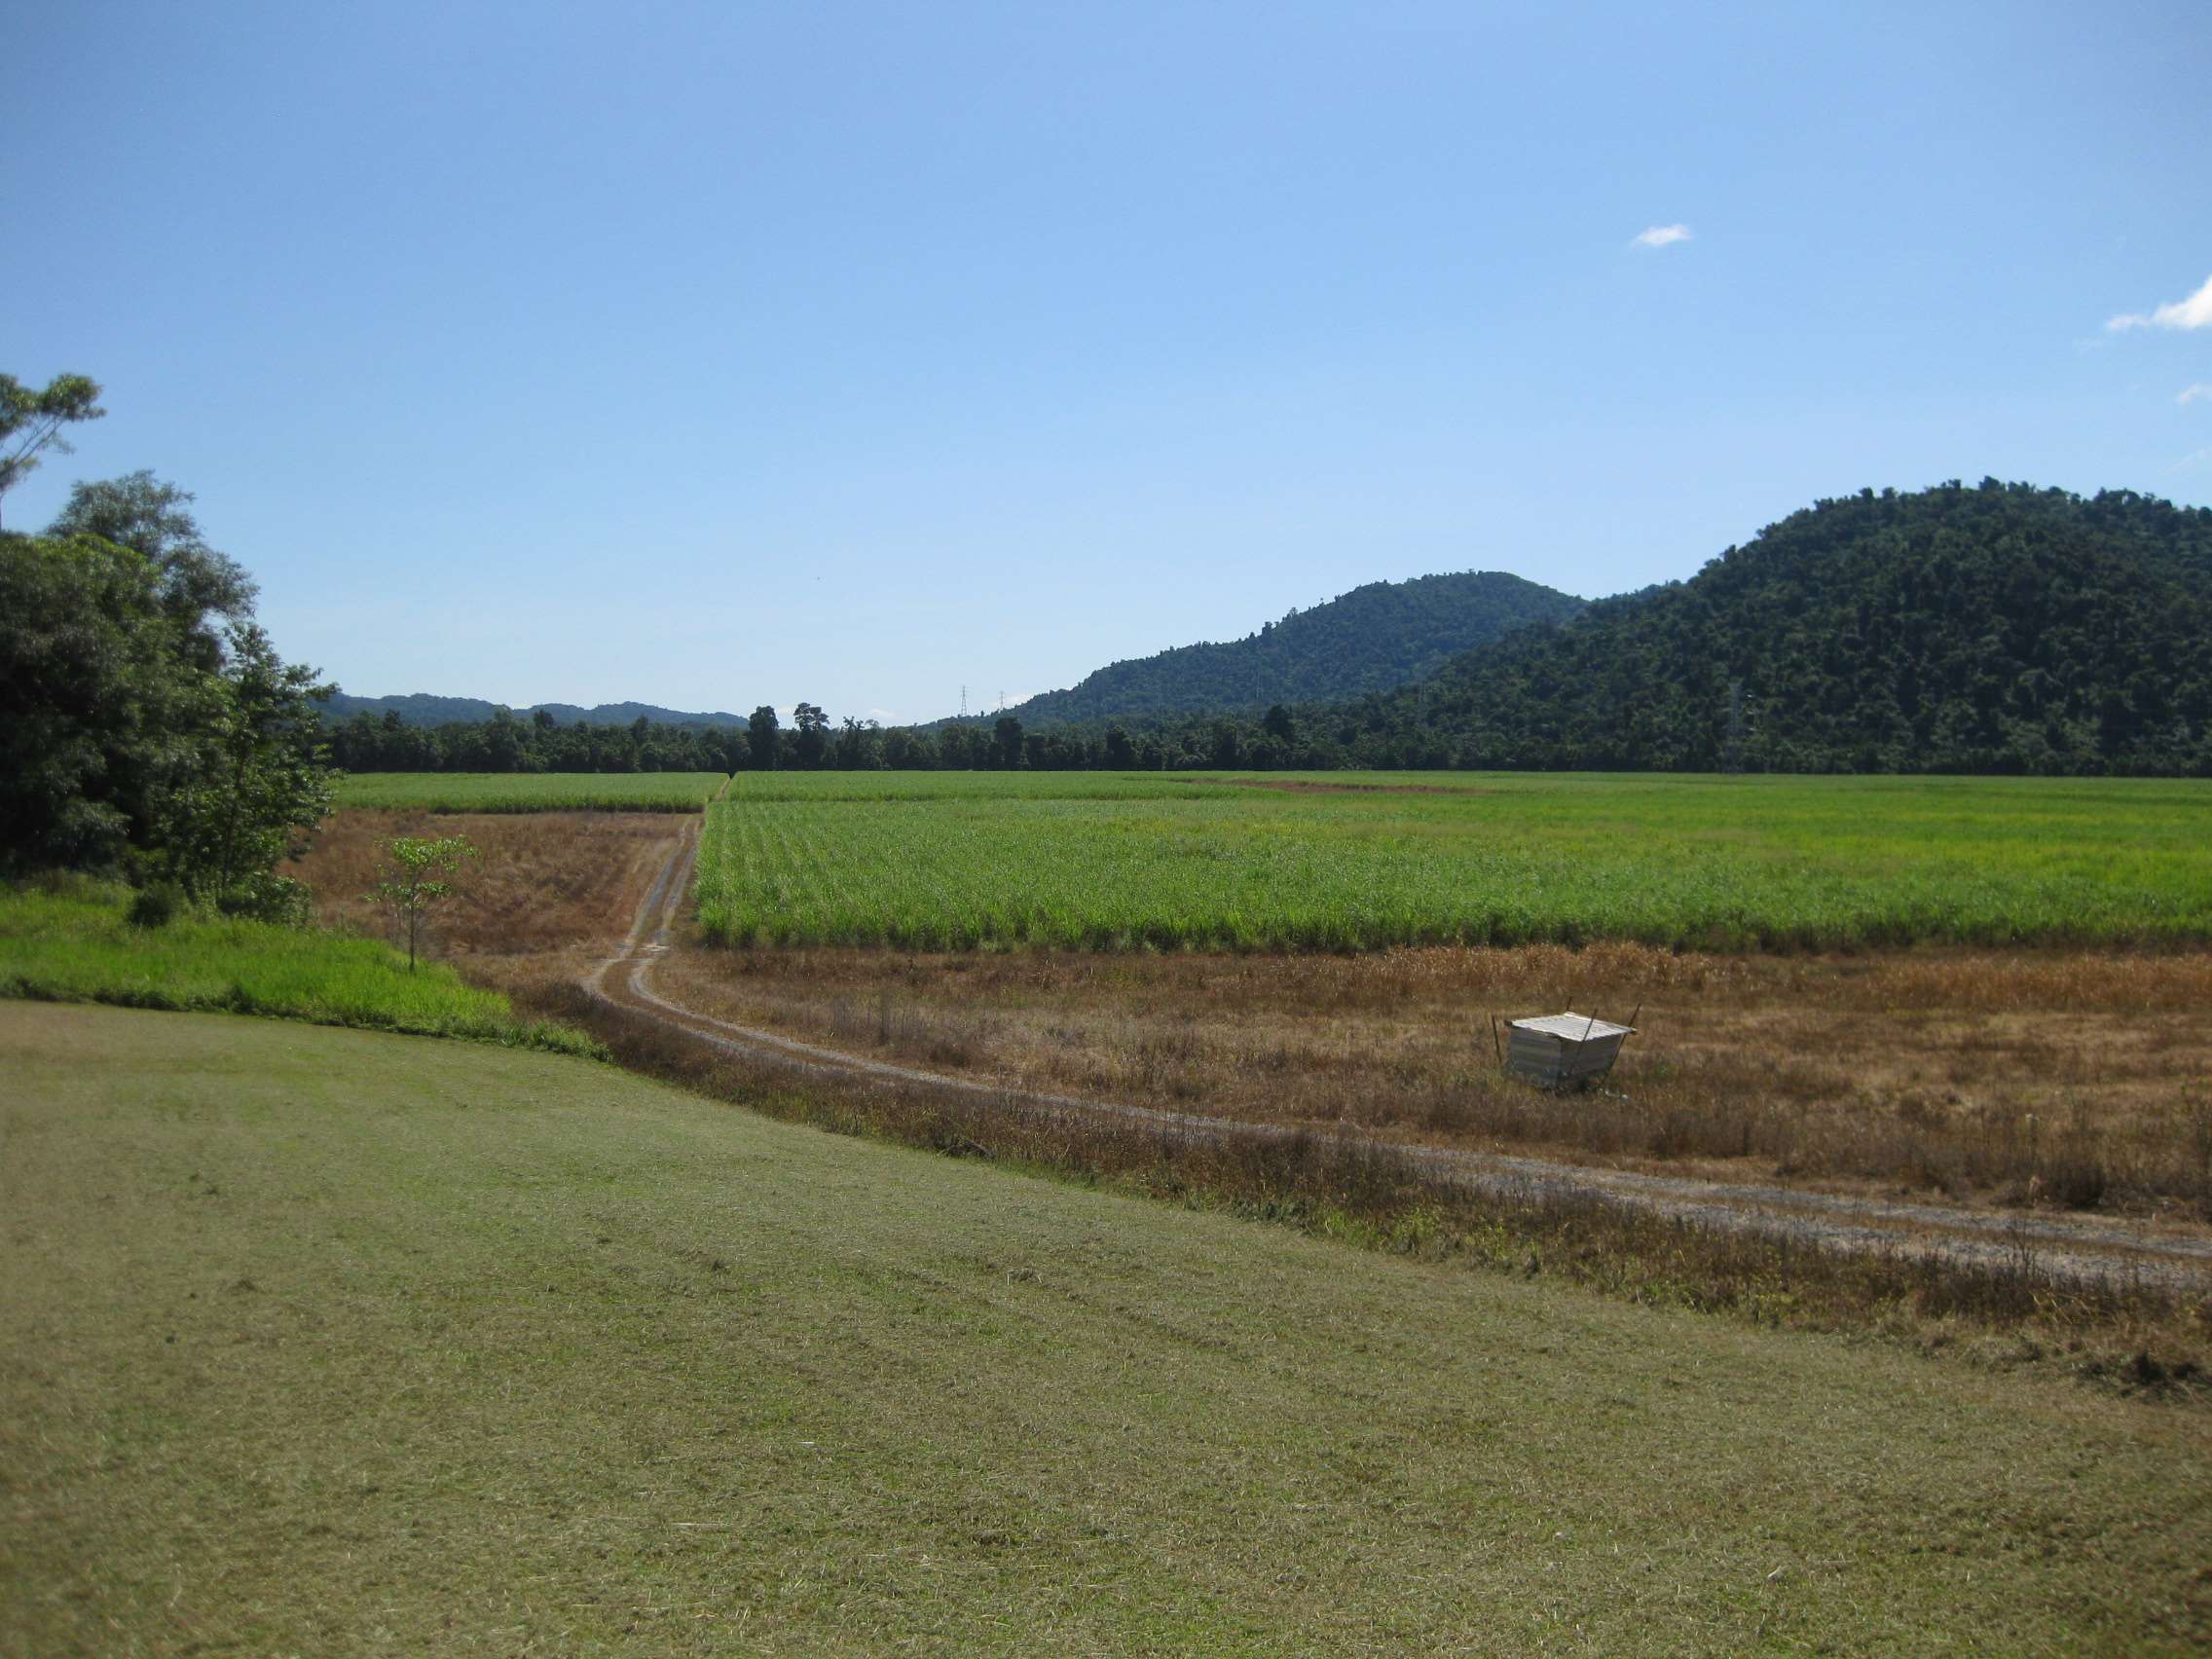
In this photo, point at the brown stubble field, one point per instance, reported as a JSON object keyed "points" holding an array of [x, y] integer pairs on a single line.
{"points": [[2056, 1078], [551, 888]]}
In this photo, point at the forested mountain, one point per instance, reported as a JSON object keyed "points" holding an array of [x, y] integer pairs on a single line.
{"points": [[1369, 640], [421, 708], [2000, 628]]}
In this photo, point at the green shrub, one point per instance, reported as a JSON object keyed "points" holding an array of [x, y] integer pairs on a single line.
{"points": [[157, 905], [275, 898]]}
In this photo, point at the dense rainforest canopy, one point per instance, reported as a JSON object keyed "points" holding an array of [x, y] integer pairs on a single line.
{"points": [[1999, 628]]}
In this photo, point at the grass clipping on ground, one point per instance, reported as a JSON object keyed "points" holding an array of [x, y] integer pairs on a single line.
{"points": [[70, 943], [323, 1340]]}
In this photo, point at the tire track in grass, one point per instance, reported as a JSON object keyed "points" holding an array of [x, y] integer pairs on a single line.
{"points": [[2080, 1252]]}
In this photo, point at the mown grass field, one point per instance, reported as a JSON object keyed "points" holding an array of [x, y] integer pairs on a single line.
{"points": [[73, 944], [531, 792], [320, 1340], [1352, 861]]}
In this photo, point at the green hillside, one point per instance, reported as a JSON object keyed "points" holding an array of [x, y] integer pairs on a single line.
{"points": [[2000, 628], [1369, 640], [326, 1341]]}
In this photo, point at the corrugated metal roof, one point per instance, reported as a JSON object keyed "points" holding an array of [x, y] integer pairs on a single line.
{"points": [[1575, 1028]]}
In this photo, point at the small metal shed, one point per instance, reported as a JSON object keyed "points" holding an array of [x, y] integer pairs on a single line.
{"points": [[1564, 1050]]}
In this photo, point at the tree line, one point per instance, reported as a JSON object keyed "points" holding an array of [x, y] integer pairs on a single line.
{"points": [[1322, 739]]}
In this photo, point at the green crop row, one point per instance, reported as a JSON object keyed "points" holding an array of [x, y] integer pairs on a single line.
{"points": [[972, 860]]}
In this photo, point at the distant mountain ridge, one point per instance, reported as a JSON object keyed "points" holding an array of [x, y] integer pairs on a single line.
{"points": [[1376, 637], [421, 708]]}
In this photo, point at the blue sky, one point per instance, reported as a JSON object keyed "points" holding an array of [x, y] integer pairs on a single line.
{"points": [[717, 354]]}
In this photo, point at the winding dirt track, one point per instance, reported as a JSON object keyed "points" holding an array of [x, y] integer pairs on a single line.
{"points": [[2065, 1248]]}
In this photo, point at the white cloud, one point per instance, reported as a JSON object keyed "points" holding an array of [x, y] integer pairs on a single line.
{"points": [[2194, 393], [2195, 312], [1660, 236]]}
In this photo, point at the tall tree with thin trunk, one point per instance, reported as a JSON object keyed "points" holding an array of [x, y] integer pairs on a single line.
{"points": [[31, 420]]}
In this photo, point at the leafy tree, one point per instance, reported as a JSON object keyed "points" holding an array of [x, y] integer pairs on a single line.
{"points": [[813, 733], [416, 880], [31, 422], [859, 746], [145, 721], [503, 741], [1006, 738], [198, 586], [99, 707], [261, 782], [762, 738]]}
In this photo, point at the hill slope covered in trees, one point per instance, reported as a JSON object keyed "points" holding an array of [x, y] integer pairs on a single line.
{"points": [[1999, 628], [1371, 639]]}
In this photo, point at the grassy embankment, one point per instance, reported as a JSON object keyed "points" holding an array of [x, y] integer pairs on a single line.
{"points": [[531, 792], [72, 943], [321, 1340], [1358, 861]]}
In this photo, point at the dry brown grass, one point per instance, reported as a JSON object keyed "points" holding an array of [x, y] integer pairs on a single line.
{"points": [[559, 884], [2072, 1079]]}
